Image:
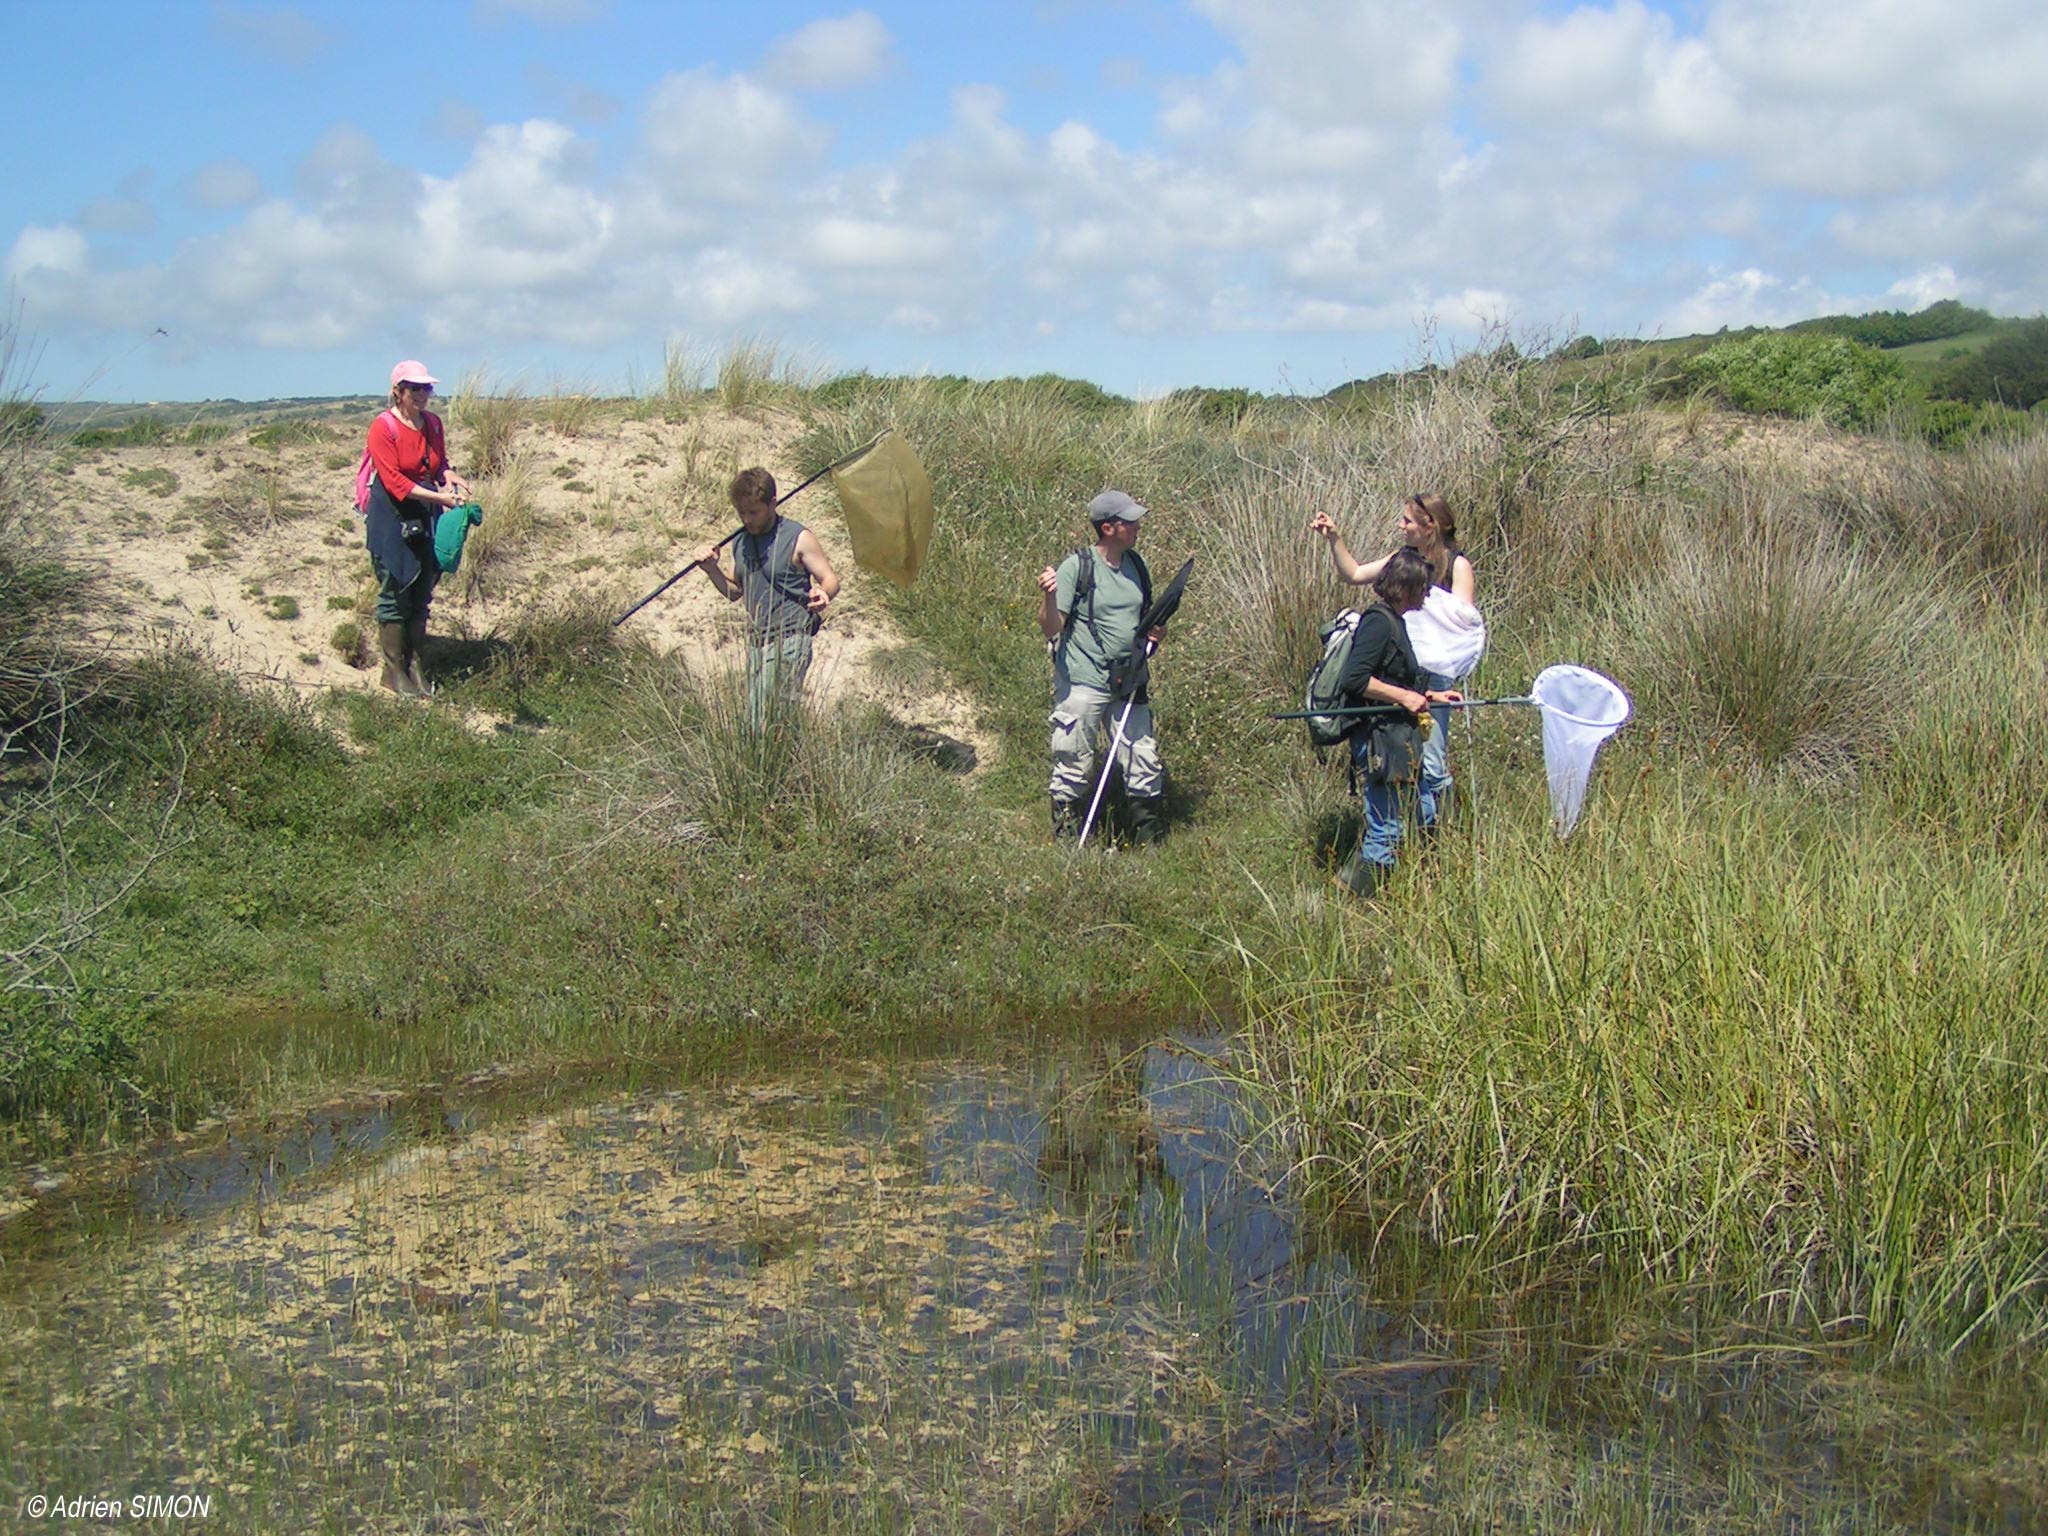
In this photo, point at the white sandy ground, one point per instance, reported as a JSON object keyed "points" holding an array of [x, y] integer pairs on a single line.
{"points": [[200, 542]]}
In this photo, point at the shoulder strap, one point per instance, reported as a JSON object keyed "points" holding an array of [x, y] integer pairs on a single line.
{"points": [[1144, 581], [1084, 587]]}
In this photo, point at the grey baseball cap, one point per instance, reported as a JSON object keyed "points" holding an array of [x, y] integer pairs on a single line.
{"points": [[1114, 504]]}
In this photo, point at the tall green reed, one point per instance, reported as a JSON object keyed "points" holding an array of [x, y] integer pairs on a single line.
{"points": [[1734, 1041], [490, 413]]}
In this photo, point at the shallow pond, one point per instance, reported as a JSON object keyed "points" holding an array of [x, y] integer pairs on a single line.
{"points": [[1055, 1295]]}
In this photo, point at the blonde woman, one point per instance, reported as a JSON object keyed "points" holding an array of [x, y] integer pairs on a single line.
{"points": [[1447, 648]]}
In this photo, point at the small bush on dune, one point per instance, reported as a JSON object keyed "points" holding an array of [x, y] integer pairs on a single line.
{"points": [[1840, 381], [569, 411], [292, 433], [45, 601], [756, 372], [1792, 652], [255, 752], [489, 415], [703, 763], [561, 636], [510, 516]]}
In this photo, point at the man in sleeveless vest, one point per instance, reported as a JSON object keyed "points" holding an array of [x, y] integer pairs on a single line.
{"points": [[781, 573], [1089, 616]]}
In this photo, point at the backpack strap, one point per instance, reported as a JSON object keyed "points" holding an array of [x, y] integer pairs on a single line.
{"points": [[1084, 587]]}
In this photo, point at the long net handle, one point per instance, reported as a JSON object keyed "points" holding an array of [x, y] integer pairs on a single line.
{"points": [[785, 496]]}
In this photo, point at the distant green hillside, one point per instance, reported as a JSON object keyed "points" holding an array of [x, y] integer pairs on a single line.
{"points": [[1948, 372]]}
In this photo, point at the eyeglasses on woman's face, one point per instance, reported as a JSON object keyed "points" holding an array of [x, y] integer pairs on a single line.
{"points": [[422, 390]]}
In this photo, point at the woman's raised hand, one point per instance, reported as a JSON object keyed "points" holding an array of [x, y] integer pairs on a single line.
{"points": [[1323, 524]]}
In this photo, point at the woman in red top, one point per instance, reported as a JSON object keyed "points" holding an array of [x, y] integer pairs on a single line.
{"points": [[411, 487]]}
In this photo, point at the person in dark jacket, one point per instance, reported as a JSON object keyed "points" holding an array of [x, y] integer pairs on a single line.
{"points": [[1386, 750], [410, 488]]}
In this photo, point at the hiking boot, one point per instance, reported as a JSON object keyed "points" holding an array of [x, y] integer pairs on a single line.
{"points": [[1066, 819], [1148, 826], [397, 675], [415, 645], [1361, 877]]}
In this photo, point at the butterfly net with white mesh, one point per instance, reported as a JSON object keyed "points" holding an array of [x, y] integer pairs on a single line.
{"points": [[1581, 709]]}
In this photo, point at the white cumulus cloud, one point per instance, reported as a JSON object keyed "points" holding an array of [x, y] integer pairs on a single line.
{"points": [[831, 53], [727, 138]]}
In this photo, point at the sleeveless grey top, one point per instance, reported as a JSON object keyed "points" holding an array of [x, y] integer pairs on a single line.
{"points": [[772, 585]]}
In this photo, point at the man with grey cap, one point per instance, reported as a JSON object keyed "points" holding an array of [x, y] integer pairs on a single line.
{"points": [[1089, 616]]}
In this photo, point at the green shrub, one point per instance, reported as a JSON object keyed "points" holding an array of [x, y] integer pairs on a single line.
{"points": [[143, 432], [150, 432], [1950, 423], [60, 1047], [284, 608], [1945, 423], [1898, 327], [157, 482], [284, 434], [2011, 370], [1783, 374], [257, 753]]}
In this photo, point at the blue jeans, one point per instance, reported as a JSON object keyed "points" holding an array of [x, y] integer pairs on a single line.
{"points": [[1383, 824], [1436, 751], [1387, 807]]}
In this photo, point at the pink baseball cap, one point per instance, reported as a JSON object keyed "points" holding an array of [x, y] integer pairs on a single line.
{"points": [[411, 371]]}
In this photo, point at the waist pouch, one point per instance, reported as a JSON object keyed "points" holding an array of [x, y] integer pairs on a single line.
{"points": [[1389, 752], [1123, 671]]}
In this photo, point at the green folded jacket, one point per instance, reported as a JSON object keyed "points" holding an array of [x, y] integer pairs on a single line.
{"points": [[451, 532]]}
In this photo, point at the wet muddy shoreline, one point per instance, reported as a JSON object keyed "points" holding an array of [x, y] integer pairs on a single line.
{"points": [[1064, 1278]]}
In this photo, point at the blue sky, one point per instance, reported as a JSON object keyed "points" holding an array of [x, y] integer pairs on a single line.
{"points": [[228, 197]]}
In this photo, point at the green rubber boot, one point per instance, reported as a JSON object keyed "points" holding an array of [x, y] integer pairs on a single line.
{"points": [[1361, 877], [415, 646], [397, 674], [1066, 820], [1148, 825]]}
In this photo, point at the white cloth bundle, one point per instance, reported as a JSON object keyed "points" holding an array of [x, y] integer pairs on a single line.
{"points": [[1448, 634]]}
